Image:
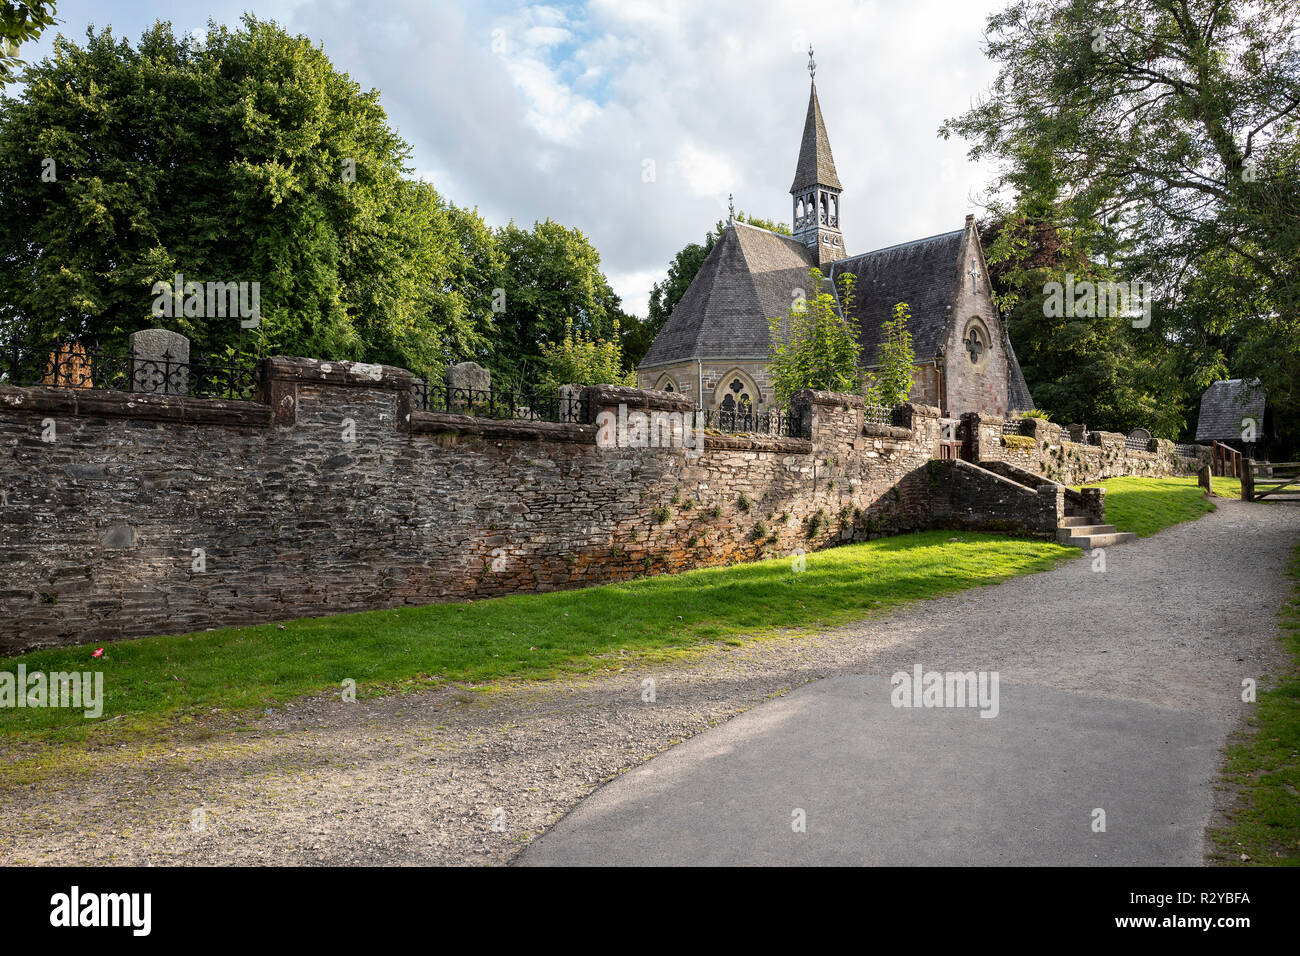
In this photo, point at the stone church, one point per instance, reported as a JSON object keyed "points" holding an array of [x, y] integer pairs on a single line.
{"points": [[714, 346]]}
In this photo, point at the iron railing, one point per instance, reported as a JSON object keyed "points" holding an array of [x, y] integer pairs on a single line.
{"points": [[1138, 444], [878, 415], [1015, 426], [73, 365], [1187, 451], [507, 402], [769, 421]]}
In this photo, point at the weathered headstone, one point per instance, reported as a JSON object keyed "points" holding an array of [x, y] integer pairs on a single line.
{"points": [[161, 362], [468, 385], [1203, 479], [569, 401]]}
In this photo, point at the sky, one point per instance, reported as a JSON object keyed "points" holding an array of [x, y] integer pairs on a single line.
{"points": [[633, 120]]}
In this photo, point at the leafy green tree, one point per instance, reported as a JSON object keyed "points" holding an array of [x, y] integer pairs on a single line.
{"points": [[890, 382], [1175, 124], [246, 157], [20, 21], [1096, 369], [580, 359], [551, 276], [815, 345], [665, 295]]}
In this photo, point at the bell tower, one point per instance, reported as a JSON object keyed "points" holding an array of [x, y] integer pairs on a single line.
{"points": [[816, 188]]}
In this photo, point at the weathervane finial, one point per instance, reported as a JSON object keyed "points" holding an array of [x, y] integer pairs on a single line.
{"points": [[812, 64], [731, 207]]}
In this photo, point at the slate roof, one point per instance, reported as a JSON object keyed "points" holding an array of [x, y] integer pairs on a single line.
{"points": [[922, 273], [815, 165], [1223, 406], [749, 276], [1018, 397]]}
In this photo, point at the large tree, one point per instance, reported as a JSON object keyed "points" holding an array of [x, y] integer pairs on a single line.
{"points": [[1172, 125], [244, 157], [551, 277]]}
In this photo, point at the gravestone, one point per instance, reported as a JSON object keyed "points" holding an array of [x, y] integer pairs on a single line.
{"points": [[161, 362], [569, 402], [468, 385], [469, 375]]}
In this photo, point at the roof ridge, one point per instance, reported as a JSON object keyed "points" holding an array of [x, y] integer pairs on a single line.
{"points": [[899, 245]]}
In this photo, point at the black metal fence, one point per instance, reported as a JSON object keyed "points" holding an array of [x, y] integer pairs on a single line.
{"points": [[505, 403], [1187, 451], [72, 365], [1015, 426], [1138, 444], [878, 414], [769, 421]]}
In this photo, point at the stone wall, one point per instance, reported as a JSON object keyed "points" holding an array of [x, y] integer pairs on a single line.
{"points": [[1059, 453], [165, 514], [125, 513]]}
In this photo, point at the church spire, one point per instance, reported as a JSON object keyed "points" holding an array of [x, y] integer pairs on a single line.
{"points": [[816, 188]]}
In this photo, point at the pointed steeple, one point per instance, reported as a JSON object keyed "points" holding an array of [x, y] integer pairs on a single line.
{"points": [[816, 188], [816, 165]]}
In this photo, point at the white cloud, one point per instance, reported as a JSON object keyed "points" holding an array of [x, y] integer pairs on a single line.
{"points": [[557, 120]]}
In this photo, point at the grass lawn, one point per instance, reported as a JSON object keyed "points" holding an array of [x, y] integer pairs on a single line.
{"points": [[152, 682], [1148, 505], [1265, 767]]}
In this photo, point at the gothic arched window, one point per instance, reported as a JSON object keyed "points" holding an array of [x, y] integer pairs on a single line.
{"points": [[835, 210], [823, 209]]}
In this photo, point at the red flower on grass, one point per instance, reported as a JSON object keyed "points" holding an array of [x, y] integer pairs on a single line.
{"points": [[98, 652]]}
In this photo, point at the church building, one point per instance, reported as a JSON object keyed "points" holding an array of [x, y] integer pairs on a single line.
{"points": [[714, 346]]}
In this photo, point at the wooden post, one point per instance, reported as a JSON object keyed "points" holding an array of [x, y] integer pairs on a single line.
{"points": [[1248, 480]]}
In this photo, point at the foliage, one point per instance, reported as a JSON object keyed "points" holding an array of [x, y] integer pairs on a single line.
{"points": [[20, 21], [891, 381], [552, 278], [1037, 413], [579, 359], [1167, 134], [816, 345], [245, 157]]}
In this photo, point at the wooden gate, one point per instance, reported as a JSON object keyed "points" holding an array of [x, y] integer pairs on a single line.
{"points": [[1278, 481]]}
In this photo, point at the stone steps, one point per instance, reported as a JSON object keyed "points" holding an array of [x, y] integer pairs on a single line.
{"points": [[1076, 531]]}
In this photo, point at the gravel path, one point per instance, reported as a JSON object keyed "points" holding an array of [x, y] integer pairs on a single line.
{"points": [[419, 779]]}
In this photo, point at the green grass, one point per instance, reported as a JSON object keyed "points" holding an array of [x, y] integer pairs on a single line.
{"points": [[1147, 505], [154, 682], [1264, 768]]}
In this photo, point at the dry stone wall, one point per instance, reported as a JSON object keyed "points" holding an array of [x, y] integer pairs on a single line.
{"points": [[127, 514]]}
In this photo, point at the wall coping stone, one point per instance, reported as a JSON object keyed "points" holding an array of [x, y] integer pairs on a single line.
{"points": [[317, 372], [892, 432], [446, 422], [151, 406], [812, 396], [642, 399]]}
